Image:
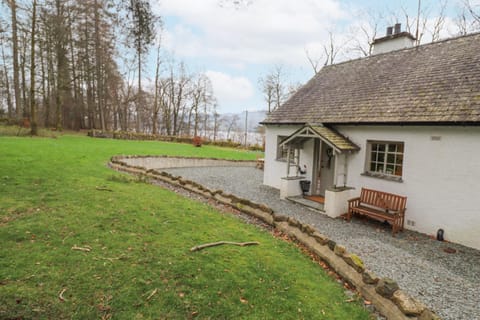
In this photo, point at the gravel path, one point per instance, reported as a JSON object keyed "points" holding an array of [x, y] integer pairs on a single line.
{"points": [[449, 283]]}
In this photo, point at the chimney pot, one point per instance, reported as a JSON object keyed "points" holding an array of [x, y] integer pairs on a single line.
{"points": [[398, 28], [389, 31]]}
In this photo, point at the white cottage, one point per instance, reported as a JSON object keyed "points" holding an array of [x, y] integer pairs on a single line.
{"points": [[404, 122]]}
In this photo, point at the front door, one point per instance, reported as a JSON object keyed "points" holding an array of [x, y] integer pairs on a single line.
{"points": [[325, 163]]}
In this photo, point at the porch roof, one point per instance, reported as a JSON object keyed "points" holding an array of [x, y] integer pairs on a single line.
{"points": [[331, 137]]}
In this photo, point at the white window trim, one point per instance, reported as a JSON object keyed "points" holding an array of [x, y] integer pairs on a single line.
{"points": [[383, 175], [279, 151]]}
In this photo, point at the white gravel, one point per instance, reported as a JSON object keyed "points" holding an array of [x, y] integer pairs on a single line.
{"points": [[448, 283]]}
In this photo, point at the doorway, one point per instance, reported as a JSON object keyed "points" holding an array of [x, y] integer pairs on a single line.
{"points": [[324, 168]]}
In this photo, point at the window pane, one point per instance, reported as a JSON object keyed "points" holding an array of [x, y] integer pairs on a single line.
{"points": [[399, 158], [389, 169], [392, 147], [391, 158], [381, 147], [398, 171], [381, 157]]}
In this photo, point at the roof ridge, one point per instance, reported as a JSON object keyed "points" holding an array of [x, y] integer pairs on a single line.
{"points": [[404, 49]]}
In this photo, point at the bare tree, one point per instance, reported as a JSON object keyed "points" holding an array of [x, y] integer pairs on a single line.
{"points": [[366, 32], [314, 62], [142, 29], [232, 123], [331, 49], [473, 9], [439, 22], [274, 88], [267, 87], [16, 78], [33, 108], [6, 75], [157, 95], [461, 22]]}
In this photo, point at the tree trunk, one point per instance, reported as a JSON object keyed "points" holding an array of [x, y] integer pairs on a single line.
{"points": [[23, 64], [61, 65], [155, 98], [33, 109], [139, 95], [98, 68], [76, 121], [50, 82], [7, 86], [16, 78]]}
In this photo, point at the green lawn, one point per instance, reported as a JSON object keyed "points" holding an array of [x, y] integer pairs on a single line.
{"points": [[139, 266]]}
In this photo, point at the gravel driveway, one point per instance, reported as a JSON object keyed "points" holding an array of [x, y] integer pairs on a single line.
{"points": [[449, 283]]}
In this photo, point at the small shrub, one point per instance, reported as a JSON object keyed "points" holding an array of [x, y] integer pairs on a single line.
{"points": [[197, 141]]}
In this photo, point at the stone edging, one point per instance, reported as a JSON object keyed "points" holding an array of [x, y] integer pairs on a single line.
{"points": [[385, 295]]}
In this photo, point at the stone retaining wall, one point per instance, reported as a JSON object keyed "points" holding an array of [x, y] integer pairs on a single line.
{"points": [[384, 293], [165, 162]]}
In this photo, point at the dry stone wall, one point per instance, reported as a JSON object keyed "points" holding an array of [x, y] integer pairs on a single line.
{"points": [[384, 294]]}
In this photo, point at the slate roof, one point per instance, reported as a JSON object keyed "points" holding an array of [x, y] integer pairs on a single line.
{"points": [[438, 82]]}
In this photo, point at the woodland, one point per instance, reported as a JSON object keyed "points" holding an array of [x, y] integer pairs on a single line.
{"points": [[69, 64], [79, 65]]}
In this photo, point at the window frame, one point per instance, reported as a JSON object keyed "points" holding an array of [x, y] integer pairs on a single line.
{"points": [[384, 151], [282, 151]]}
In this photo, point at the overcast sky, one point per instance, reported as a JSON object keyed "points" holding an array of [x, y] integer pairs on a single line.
{"points": [[235, 46]]}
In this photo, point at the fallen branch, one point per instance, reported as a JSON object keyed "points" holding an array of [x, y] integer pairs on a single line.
{"points": [[121, 257], [60, 296], [213, 244], [152, 294], [103, 189], [84, 249]]}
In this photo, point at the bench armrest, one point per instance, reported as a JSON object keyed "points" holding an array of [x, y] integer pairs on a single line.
{"points": [[353, 202]]}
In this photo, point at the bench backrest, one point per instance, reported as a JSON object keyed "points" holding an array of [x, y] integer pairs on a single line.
{"points": [[385, 200]]}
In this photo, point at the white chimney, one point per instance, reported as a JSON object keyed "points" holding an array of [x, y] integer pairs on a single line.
{"points": [[394, 40]]}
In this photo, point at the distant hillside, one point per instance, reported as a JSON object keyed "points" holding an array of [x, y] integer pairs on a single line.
{"points": [[253, 119]]}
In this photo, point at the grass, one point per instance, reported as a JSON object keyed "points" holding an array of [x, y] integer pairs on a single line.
{"points": [[139, 266]]}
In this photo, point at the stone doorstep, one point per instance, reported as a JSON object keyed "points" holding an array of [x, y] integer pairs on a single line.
{"points": [[307, 203], [400, 306]]}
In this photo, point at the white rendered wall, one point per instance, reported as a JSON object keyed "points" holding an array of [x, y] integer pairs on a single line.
{"points": [[441, 178], [274, 170], [393, 44]]}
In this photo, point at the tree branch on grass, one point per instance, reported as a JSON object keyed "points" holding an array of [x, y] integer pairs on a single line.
{"points": [[60, 295], [102, 188], [84, 249], [152, 294], [214, 244]]}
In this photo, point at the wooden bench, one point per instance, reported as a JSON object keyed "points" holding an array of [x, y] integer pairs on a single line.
{"points": [[381, 206]]}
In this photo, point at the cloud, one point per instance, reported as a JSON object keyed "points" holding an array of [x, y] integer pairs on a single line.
{"points": [[230, 90], [265, 31]]}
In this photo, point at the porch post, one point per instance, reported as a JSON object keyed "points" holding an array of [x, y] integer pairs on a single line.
{"points": [[345, 169], [288, 161], [335, 170]]}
